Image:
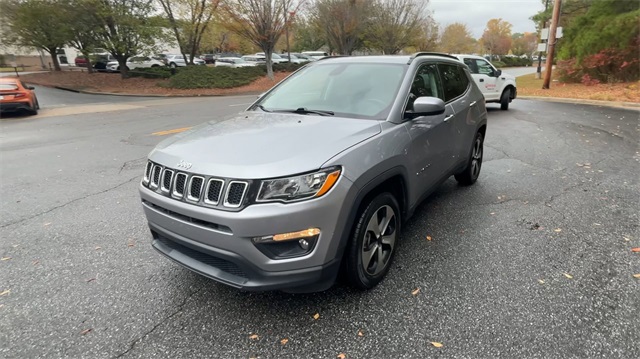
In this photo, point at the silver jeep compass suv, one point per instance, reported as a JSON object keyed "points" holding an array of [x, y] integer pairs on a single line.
{"points": [[316, 178]]}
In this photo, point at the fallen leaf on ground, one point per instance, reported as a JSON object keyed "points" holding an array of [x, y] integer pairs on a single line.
{"points": [[436, 344], [635, 250], [415, 291], [46, 224], [636, 275], [557, 230], [626, 239], [568, 275], [5, 258], [360, 333], [284, 341], [541, 281], [429, 238], [86, 331], [5, 292], [597, 224], [579, 164], [254, 337], [1, 305], [341, 356], [316, 316], [98, 248], [492, 213], [90, 280], [35, 262]]}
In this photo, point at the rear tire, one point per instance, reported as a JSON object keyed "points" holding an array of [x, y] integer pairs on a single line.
{"points": [[470, 174], [373, 242], [505, 99]]}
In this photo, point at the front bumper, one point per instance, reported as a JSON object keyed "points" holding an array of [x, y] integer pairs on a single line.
{"points": [[217, 243]]}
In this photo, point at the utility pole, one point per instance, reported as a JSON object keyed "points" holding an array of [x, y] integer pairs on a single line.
{"points": [[544, 24], [551, 46]]}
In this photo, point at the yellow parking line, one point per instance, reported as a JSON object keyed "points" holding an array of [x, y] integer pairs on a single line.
{"points": [[168, 132]]}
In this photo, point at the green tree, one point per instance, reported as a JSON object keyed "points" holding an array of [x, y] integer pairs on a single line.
{"points": [[343, 23], [189, 20], [523, 44], [308, 36], [84, 26], [42, 24], [456, 39], [126, 28], [262, 22], [395, 24], [428, 41]]}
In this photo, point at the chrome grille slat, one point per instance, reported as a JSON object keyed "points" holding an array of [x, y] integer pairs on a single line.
{"points": [[213, 191], [147, 173], [155, 176], [235, 193], [196, 183], [167, 178], [179, 185]]}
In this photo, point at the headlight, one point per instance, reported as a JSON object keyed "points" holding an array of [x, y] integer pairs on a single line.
{"points": [[299, 187]]}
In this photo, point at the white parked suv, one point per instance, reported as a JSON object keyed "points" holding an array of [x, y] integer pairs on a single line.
{"points": [[495, 85], [135, 62]]}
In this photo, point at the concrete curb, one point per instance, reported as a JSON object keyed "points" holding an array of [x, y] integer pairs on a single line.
{"points": [[87, 92], [615, 104]]}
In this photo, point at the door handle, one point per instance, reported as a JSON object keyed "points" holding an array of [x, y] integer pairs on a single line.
{"points": [[448, 118], [481, 80], [473, 103]]}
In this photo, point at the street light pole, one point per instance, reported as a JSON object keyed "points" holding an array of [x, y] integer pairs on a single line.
{"points": [[544, 23], [552, 43]]}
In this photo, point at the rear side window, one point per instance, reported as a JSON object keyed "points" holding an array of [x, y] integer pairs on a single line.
{"points": [[454, 81], [8, 87]]}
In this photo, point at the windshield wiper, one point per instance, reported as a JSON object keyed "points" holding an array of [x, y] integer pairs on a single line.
{"points": [[306, 111], [263, 108]]}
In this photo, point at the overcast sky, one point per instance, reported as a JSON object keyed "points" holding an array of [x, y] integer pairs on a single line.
{"points": [[476, 13]]}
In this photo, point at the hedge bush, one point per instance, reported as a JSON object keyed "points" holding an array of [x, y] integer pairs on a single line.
{"points": [[515, 61], [193, 77], [151, 73]]}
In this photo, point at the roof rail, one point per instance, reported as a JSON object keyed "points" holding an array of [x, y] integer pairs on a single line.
{"points": [[332, 57], [418, 54]]}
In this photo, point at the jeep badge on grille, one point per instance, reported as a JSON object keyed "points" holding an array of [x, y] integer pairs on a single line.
{"points": [[184, 164]]}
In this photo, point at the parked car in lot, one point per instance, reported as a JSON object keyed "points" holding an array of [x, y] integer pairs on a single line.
{"points": [[233, 62], [315, 54], [255, 60], [16, 96], [303, 58], [275, 58], [100, 60], [496, 86], [294, 59], [136, 62], [81, 61], [178, 61], [208, 58], [318, 175]]}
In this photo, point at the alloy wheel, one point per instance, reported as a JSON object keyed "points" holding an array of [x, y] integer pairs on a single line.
{"points": [[379, 240]]}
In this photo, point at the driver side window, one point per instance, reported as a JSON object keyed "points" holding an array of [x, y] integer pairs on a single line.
{"points": [[484, 68], [425, 83]]}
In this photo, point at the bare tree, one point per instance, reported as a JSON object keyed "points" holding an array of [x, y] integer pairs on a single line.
{"points": [[428, 41], [261, 22], [343, 22], [189, 20], [395, 24]]}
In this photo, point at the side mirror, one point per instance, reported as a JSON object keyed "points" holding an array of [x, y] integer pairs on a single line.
{"points": [[428, 106], [498, 72]]}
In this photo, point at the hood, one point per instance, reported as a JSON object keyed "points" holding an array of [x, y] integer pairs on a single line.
{"points": [[253, 145]]}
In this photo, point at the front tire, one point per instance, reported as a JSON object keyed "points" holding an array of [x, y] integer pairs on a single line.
{"points": [[470, 174], [505, 99], [173, 65], [373, 242]]}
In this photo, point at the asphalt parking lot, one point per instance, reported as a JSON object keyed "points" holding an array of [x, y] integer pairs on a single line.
{"points": [[534, 261]]}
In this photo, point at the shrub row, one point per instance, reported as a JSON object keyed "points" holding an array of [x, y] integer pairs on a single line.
{"points": [[151, 73], [192, 77], [515, 61], [607, 66]]}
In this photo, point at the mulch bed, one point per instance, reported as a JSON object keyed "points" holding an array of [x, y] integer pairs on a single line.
{"points": [[114, 83]]}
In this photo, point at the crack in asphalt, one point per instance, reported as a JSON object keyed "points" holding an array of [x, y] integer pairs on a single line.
{"points": [[126, 163], [177, 311], [498, 149], [68, 203]]}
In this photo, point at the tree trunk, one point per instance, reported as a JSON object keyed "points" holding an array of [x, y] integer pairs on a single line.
{"points": [[85, 53], [267, 55], [54, 59], [124, 70]]}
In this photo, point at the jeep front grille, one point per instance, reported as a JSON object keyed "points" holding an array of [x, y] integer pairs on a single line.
{"points": [[193, 188]]}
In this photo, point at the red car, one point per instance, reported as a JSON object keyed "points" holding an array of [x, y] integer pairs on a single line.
{"points": [[81, 61], [16, 96]]}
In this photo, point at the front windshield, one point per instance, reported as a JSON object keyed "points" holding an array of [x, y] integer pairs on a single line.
{"points": [[357, 90]]}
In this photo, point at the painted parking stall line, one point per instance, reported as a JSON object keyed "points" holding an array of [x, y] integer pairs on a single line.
{"points": [[169, 132]]}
